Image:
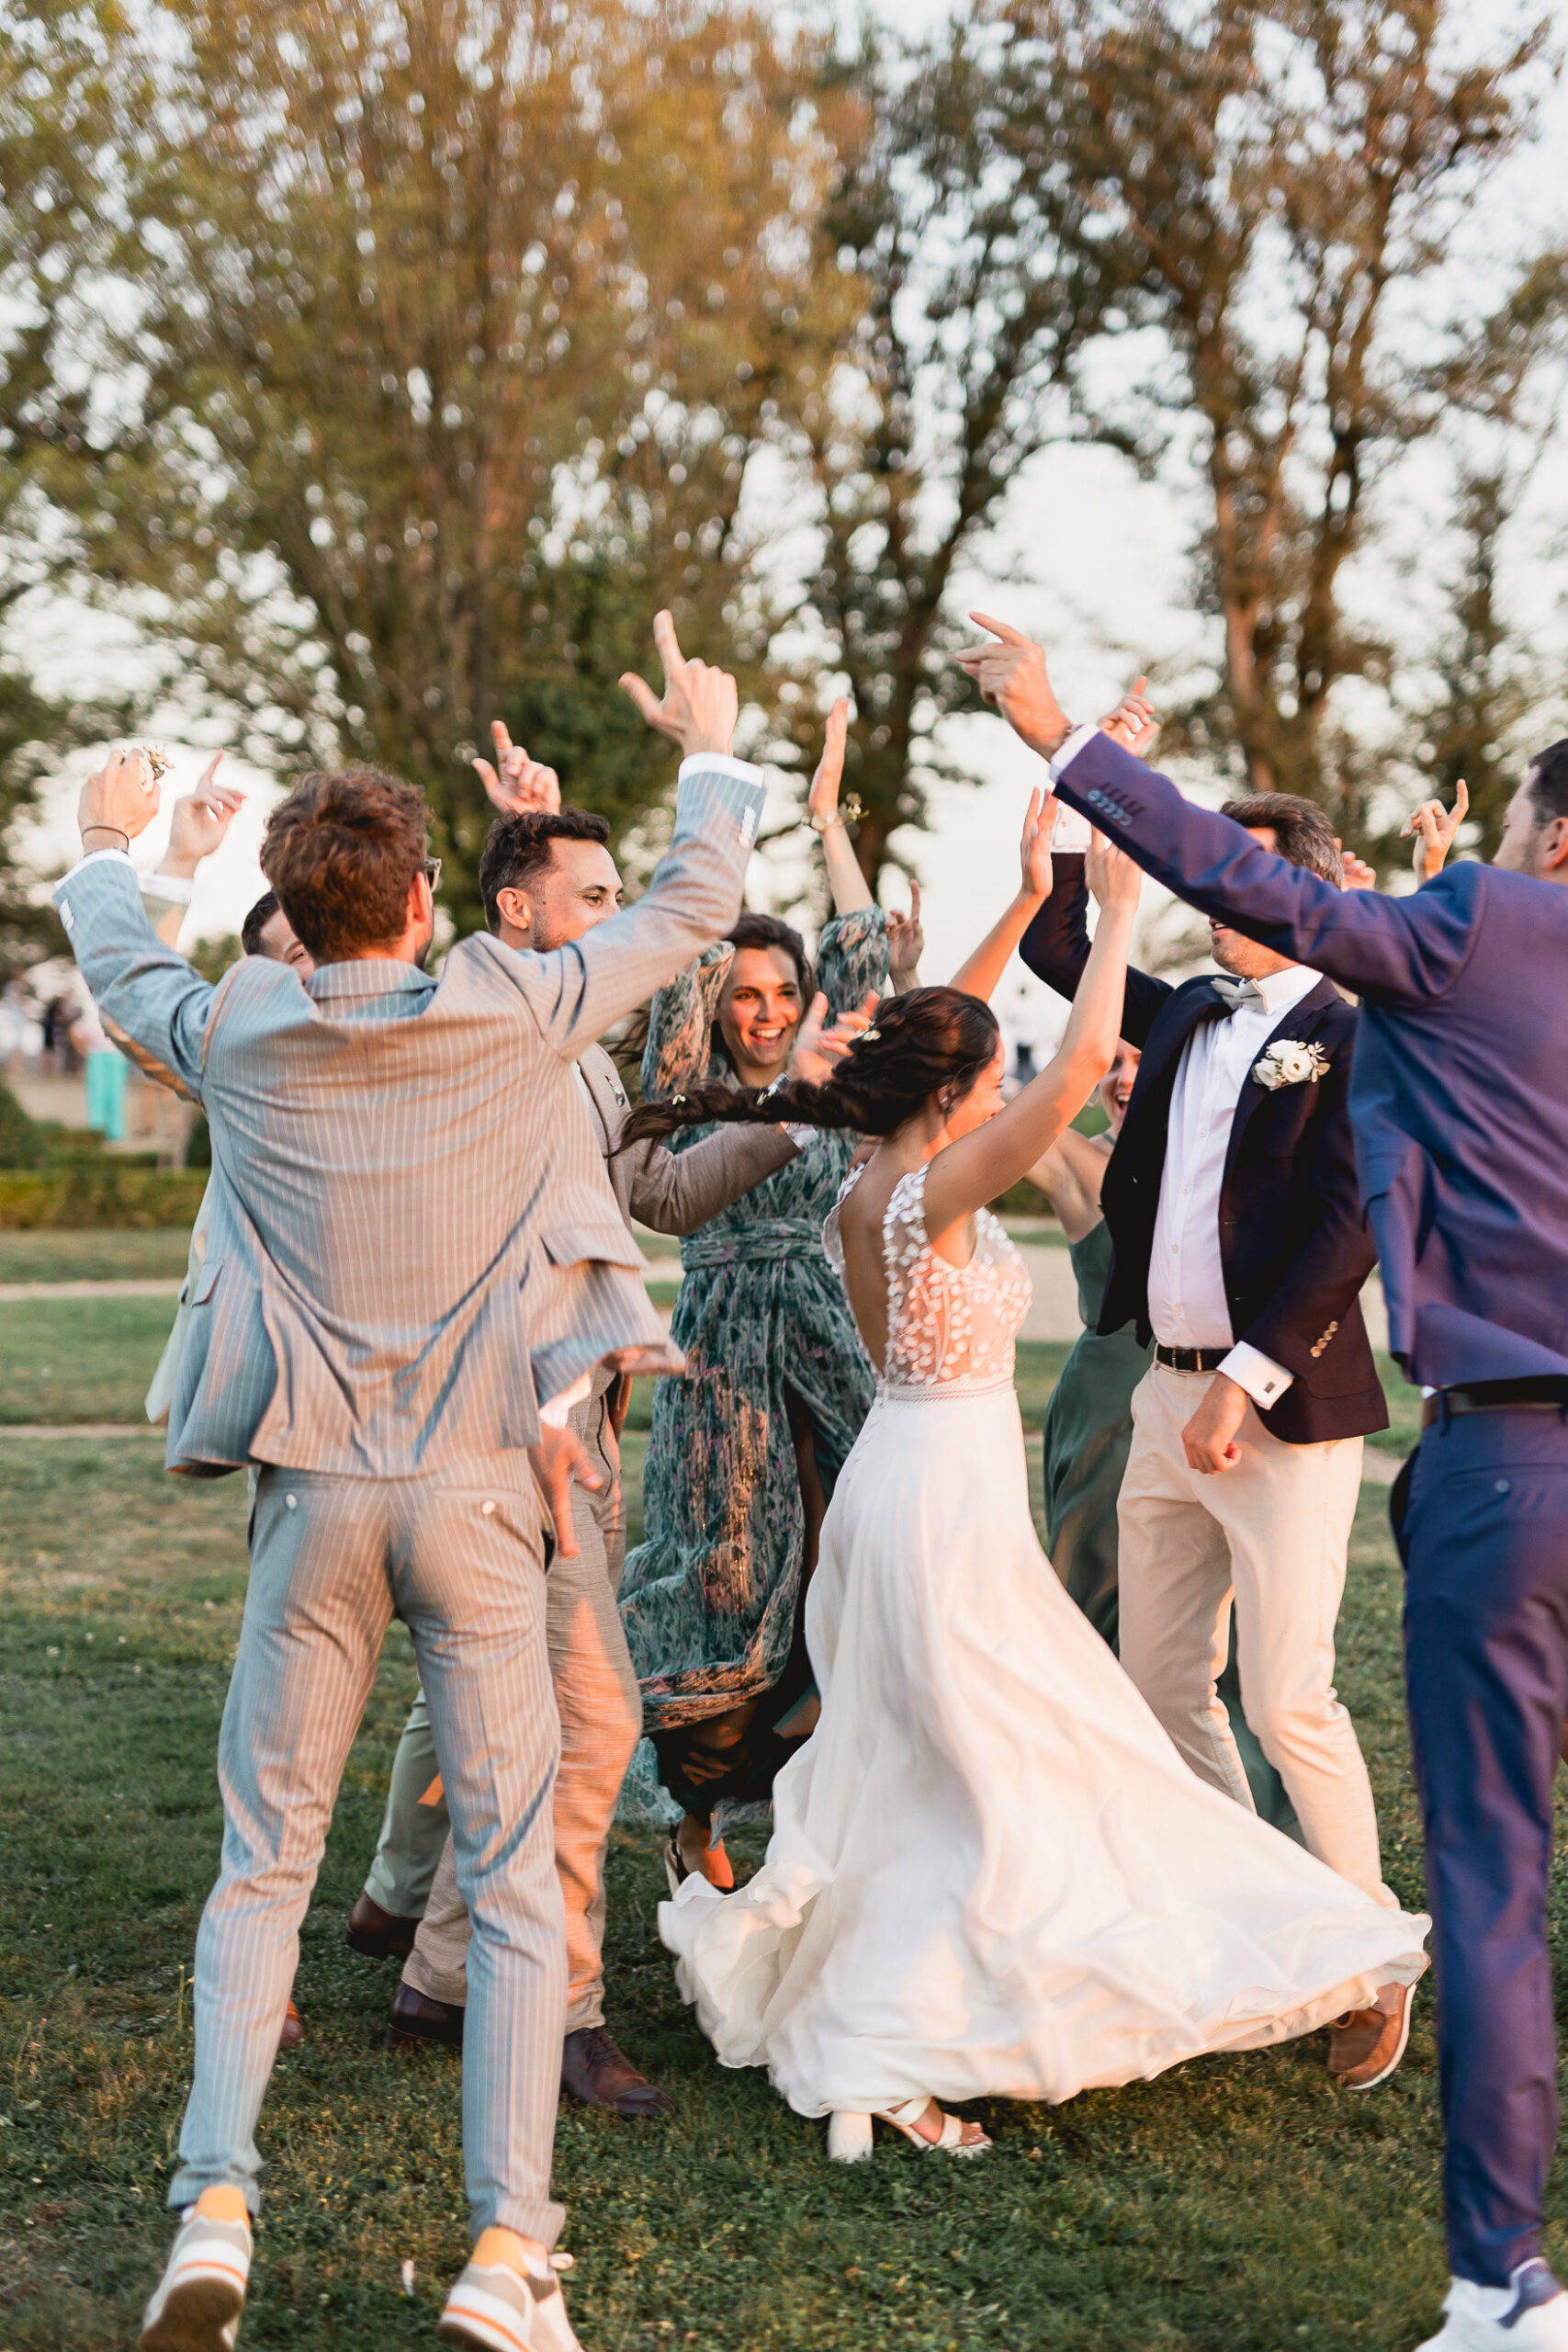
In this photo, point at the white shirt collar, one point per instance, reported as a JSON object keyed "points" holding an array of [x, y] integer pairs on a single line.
{"points": [[1280, 991]]}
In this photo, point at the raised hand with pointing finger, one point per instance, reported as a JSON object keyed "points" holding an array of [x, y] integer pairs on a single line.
{"points": [[199, 822], [1433, 828], [1012, 676], [700, 704], [524, 784], [1133, 723], [906, 945]]}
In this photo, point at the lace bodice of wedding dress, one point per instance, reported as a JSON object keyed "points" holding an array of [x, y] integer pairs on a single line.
{"points": [[951, 1329]]}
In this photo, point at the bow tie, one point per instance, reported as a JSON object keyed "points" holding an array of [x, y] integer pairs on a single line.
{"points": [[1234, 995]]}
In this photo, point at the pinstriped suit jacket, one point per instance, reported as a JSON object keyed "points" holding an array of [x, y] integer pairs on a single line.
{"points": [[414, 1240], [676, 1191]]}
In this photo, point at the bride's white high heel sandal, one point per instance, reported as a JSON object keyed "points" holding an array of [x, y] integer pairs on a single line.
{"points": [[849, 2135]]}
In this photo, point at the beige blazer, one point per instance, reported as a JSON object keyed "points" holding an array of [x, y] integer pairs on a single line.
{"points": [[413, 1241], [675, 1192]]}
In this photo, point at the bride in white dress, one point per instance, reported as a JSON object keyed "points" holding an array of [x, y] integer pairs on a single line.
{"points": [[990, 1872]]}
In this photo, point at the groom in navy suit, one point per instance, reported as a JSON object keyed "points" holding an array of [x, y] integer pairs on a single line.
{"points": [[1459, 1098]]}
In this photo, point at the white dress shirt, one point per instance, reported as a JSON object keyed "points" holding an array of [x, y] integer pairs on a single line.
{"points": [[1187, 1288]]}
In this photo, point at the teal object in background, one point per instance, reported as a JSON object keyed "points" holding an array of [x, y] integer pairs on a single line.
{"points": [[107, 1072]]}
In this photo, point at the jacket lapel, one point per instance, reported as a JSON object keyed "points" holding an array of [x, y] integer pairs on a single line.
{"points": [[1186, 1011], [1301, 1023]]}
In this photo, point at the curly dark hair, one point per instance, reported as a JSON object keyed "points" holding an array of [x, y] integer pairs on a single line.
{"points": [[917, 1045]]}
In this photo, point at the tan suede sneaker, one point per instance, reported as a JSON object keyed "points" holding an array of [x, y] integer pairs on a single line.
{"points": [[198, 2300], [502, 2303]]}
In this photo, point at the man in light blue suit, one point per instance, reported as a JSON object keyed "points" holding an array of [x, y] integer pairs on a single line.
{"points": [[1460, 1103], [414, 1265]]}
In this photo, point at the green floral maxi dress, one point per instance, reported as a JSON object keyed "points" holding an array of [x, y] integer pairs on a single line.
{"points": [[710, 1600]]}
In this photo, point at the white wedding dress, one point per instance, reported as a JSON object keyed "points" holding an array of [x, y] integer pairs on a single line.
{"points": [[990, 1872]]}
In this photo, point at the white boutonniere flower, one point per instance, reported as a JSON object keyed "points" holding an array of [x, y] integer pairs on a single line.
{"points": [[1290, 1063]]}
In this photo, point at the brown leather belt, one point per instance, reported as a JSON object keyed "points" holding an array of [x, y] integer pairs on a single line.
{"points": [[1191, 1359], [1496, 1396]]}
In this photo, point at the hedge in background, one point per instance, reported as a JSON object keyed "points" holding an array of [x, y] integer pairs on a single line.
{"points": [[101, 1192]]}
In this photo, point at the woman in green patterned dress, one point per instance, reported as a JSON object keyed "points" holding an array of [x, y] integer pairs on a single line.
{"points": [[746, 1446]]}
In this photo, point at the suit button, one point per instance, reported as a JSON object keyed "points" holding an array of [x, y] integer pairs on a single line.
{"points": [[1501, 1485]]}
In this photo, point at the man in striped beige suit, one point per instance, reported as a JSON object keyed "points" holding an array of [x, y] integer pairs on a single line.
{"points": [[414, 1251], [547, 876]]}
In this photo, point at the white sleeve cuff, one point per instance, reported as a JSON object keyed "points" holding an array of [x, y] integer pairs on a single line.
{"points": [[177, 889], [1071, 748], [1264, 1380], [553, 1415], [721, 763], [801, 1137], [92, 856]]}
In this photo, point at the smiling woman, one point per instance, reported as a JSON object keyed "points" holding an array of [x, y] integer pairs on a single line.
{"points": [[746, 1447]]}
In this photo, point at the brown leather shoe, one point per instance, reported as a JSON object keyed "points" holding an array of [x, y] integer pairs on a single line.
{"points": [[594, 2071], [416, 2021], [379, 1935], [293, 2032], [1366, 2045]]}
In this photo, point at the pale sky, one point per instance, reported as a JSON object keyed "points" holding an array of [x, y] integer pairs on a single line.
{"points": [[1105, 555]]}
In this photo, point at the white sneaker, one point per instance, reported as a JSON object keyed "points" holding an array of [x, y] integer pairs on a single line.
{"points": [[1535, 2320], [198, 2300], [496, 2307]]}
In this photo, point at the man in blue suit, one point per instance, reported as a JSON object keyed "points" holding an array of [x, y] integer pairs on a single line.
{"points": [[1460, 1101]]}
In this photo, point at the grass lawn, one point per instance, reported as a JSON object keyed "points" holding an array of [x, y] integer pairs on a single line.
{"points": [[95, 1257], [1236, 2205]]}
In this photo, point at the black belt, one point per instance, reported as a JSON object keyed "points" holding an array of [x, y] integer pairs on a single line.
{"points": [[1548, 1396], [1191, 1359]]}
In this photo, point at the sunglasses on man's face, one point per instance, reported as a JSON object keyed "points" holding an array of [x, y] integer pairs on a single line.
{"points": [[431, 870]]}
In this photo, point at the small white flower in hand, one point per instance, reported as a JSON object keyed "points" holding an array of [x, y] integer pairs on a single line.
{"points": [[1288, 1062]]}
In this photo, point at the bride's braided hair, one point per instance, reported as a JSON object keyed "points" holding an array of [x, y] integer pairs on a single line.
{"points": [[916, 1045]]}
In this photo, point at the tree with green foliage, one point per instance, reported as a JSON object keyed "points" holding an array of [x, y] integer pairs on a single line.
{"points": [[62, 84], [1274, 170], [459, 335], [982, 287]]}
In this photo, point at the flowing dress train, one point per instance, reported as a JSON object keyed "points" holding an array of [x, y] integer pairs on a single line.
{"points": [[990, 1872]]}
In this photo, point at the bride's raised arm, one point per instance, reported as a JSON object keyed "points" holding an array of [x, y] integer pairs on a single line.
{"points": [[968, 1173], [984, 966]]}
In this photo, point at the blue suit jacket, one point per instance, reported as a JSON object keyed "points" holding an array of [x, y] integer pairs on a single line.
{"points": [[1460, 1090]]}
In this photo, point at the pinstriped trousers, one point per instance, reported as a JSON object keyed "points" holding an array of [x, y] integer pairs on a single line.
{"points": [[458, 1557], [601, 1719]]}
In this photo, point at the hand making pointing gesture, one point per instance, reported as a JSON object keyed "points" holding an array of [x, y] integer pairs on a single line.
{"points": [[1012, 676], [699, 705], [1434, 828], [524, 784]]}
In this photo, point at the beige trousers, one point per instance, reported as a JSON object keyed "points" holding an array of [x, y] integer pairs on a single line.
{"points": [[1269, 1538], [601, 1719]]}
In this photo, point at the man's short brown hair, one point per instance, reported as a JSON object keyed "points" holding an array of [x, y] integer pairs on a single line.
{"points": [[342, 852], [1301, 833]]}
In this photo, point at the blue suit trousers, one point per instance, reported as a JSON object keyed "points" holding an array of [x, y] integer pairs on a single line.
{"points": [[1482, 1520]]}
